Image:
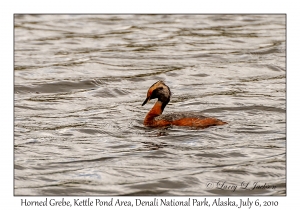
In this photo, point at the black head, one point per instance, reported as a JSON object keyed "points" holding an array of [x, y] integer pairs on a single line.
{"points": [[160, 91]]}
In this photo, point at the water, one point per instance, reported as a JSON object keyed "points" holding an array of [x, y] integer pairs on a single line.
{"points": [[80, 81]]}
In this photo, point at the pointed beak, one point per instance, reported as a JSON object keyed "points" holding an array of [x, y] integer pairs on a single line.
{"points": [[146, 101]]}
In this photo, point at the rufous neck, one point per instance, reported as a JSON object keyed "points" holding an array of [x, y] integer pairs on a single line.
{"points": [[155, 111]]}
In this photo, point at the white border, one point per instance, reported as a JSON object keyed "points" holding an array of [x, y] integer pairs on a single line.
{"points": [[8, 8]]}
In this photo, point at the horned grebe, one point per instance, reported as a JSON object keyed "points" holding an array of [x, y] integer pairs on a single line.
{"points": [[154, 118]]}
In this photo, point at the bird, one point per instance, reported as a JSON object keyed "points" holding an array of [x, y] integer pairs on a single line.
{"points": [[155, 118]]}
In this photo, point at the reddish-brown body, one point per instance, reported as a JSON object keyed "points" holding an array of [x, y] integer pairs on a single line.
{"points": [[162, 92]]}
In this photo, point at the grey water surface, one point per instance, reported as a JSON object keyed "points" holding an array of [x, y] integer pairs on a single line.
{"points": [[80, 81]]}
